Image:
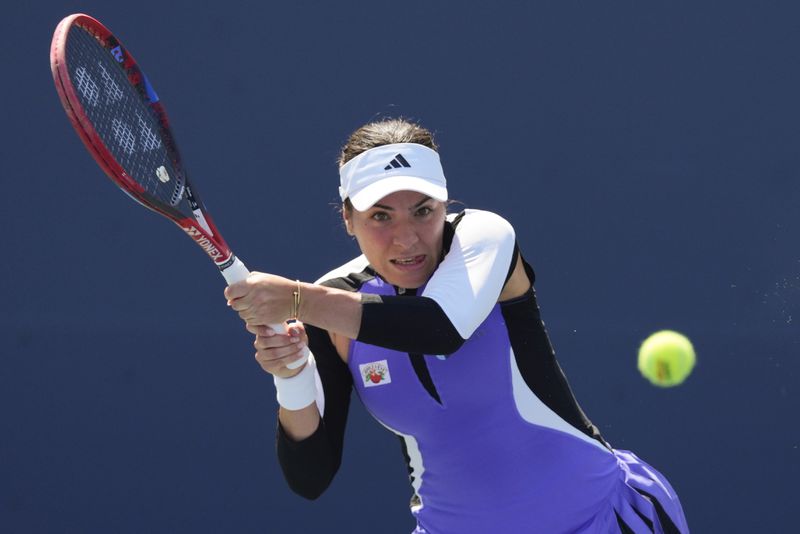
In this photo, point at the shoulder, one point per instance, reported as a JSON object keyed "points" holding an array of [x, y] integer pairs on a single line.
{"points": [[350, 276], [481, 225]]}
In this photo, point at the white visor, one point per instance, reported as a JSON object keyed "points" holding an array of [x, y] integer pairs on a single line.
{"points": [[386, 169]]}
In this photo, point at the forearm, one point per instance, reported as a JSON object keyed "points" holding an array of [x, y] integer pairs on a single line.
{"points": [[299, 424], [331, 309], [309, 443], [365, 317], [310, 464], [418, 325]]}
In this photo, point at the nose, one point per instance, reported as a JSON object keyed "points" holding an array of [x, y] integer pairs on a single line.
{"points": [[405, 236]]}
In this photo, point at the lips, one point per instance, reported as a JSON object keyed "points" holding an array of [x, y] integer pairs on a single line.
{"points": [[410, 261]]}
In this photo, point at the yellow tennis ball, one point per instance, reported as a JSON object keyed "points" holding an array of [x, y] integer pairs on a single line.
{"points": [[666, 358]]}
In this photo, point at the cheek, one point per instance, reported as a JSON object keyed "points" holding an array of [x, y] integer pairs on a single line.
{"points": [[371, 239], [435, 236]]}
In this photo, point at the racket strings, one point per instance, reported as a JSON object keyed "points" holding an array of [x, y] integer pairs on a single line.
{"points": [[122, 117]]}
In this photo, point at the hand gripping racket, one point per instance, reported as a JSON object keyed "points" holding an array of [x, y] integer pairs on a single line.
{"points": [[119, 118]]}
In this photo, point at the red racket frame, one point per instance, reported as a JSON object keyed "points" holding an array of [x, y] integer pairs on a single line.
{"points": [[212, 243]]}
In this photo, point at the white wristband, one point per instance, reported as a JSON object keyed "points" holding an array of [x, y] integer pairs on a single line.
{"points": [[299, 391]]}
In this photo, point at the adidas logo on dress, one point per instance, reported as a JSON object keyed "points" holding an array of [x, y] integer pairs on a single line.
{"points": [[397, 162]]}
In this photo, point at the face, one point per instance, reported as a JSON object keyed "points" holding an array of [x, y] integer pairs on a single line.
{"points": [[401, 236]]}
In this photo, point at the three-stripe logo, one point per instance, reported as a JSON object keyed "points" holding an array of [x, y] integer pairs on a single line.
{"points": [[397, 162]]}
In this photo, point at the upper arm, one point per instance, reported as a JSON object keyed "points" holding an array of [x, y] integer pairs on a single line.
{"points": [[470, 279], [518, 282], [334, 382], [342, 345]]}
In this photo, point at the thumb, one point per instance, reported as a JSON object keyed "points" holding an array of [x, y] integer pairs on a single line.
{"points": [[295, 327]]}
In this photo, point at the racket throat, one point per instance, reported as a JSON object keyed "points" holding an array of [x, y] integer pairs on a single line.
{"points": [[201, 220]]}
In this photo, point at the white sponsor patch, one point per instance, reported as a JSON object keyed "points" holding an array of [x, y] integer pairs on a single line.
{"points": [[375, 373]]}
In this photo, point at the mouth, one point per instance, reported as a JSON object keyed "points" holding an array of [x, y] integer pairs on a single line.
{"points": [[410, 261]]}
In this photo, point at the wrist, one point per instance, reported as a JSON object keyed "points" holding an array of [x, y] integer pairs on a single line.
{"points": [[300, 390], [305, 294], [296, 301]]}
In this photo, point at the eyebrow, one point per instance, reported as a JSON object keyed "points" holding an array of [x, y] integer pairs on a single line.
{"points": [[389, 208]]}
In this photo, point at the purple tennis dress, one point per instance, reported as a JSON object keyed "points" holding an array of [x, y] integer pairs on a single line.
{"points": [[542, 476], [494, 439]]}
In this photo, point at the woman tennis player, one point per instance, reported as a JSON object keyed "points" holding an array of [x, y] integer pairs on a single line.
{"points": [[437, 329]]}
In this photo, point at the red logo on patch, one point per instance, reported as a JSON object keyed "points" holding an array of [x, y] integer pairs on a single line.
{"points": [[375, 373]]}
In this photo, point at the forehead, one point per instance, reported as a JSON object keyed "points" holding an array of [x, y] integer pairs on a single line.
{"points": [[402, 199]]}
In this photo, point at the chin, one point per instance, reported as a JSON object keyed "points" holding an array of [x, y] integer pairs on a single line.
{"points": [[409, 282]]}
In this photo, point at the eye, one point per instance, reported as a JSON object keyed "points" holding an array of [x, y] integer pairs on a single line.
{"points": [[379, 216], [424, 210]]}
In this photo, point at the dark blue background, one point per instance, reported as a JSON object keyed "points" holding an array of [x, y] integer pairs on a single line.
{"points": [[647, 156]]}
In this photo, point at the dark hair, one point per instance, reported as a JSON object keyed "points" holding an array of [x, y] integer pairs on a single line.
{"points": [[385, 132]]}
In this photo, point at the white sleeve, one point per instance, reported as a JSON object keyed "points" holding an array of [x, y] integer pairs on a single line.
{"points": [[468, 282]]}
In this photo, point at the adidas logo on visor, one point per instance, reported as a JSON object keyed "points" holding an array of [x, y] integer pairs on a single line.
{"points": [[397, 162]]}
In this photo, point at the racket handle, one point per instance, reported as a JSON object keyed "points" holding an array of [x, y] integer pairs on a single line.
{"points": [[236, 272]]}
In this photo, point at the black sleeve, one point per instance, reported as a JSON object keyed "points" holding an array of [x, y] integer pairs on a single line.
{"points": [[407, 324], [309, 465], [418, 324]]}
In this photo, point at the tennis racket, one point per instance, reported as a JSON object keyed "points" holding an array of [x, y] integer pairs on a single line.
{"points": [[123, 124]]}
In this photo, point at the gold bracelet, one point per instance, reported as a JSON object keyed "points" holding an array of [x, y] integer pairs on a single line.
{"points": [[296, 302]]}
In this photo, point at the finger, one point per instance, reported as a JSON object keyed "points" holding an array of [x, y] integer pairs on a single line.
{"points": [[273, 342], [300, 355], [250, 316], [237, 290], [277, 346], [239, 304], [267, 360], [270, 366], [259, 329], [295, 327]]}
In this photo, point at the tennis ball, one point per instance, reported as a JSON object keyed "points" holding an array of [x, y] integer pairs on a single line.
{"points": [[666, 358]]}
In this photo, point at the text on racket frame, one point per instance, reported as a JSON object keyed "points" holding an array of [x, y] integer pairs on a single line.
{"points": [[204, 242]]}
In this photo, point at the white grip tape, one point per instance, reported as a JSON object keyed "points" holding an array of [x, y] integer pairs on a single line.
{"points": [[236, 272], [299, 391]]}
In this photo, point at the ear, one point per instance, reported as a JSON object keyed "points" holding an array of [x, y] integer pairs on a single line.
{"points": [[348, 223]]}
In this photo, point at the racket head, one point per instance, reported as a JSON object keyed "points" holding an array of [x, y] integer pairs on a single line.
{"points": [[124, 126]]}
